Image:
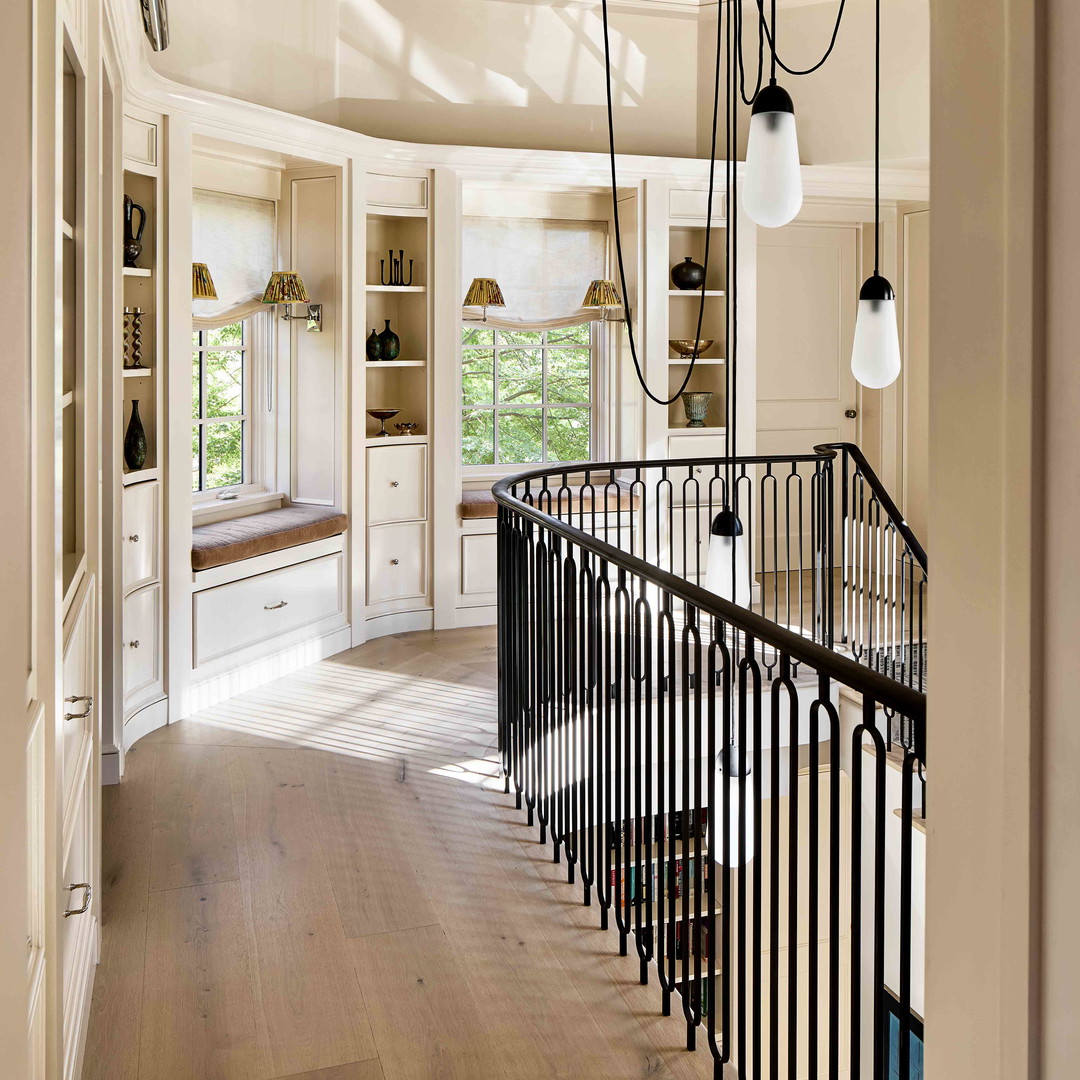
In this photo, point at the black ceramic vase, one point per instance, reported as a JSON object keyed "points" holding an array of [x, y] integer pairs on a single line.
{"points": [[132, 237], [390, 342], [374, 346], [135, 440], [688, 274]]}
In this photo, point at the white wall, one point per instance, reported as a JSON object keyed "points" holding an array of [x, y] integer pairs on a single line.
{"points": [[524, 74]]}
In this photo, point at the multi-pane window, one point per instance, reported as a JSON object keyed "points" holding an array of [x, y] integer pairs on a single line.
{"points": [[219, 409], [527, 395]]}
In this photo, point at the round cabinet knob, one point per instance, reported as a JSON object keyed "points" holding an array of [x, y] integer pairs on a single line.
{"points": [[134, 538], [394, 483], [133, 644], [850, 414], [393, 562]]}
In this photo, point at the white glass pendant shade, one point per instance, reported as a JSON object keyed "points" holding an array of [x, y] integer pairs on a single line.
{"points": [[736, 777], [727, 568], [875, 355], [772, 189]]}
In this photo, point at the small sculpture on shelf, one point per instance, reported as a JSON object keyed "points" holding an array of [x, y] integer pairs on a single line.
{"points": [[135, 440], [390, 342], [397, 270], [132, 238], [407, 428], [696, 406], [688, 274], [133, 339], [374, 346], [382, 415]]}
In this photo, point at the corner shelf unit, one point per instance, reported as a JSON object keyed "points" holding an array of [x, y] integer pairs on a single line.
{"points": [[397, 469]]}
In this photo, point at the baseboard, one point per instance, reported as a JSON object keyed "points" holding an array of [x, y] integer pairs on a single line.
{"points": [[399, 622], [143, 722], [220, 687], [112, 765], [475, 616]]}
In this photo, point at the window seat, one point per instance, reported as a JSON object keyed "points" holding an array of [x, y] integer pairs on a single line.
{"points": [[481, 504], [240, 538]]}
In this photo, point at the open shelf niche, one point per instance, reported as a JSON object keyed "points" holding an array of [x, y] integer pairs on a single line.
{"points": [[401, 383], [141, 291], [683, 306]]}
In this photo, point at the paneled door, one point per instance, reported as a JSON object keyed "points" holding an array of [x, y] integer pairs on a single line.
{"points": [[807, 299]]}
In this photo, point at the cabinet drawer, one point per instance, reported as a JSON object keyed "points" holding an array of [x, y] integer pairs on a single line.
{"points": [[708, 484], [397, 562], [242, 613], [141, 646], [397, 483], [139, 543]]}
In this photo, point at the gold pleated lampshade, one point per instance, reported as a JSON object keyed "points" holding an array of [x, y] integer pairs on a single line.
{"points": [[285, 287], [602, 294], [202, 284], [484, 292]]}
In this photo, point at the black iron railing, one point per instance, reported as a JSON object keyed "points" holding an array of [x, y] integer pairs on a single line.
{"points": [[735, 785]]}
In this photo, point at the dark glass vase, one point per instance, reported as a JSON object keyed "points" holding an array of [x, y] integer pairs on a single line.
{"points": [[135, 440], [132, 237], [688, 274], [374, 346], [390, 342]]}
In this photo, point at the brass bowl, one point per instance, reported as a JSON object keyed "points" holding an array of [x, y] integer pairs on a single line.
{"points": [[686, 348]]}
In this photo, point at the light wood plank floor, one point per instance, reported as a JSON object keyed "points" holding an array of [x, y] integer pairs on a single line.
{"points": [[323, 880]]}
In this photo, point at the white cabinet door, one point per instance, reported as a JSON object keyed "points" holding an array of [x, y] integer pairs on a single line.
{"points": [[397, 562], [139, 543], [78, 707], [141, 647], [397, 483]]}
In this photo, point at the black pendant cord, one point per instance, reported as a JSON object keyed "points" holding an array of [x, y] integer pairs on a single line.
{"points": [[772, 43], [618, 231], [877, 136], [770, 36], [735, 9]]}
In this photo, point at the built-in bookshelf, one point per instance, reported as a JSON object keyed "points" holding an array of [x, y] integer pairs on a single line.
{"points": [[398, 244], [688, 239]]}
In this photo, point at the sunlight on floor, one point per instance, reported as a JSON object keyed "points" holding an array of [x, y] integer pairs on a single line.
{"points": [[365, 712]]}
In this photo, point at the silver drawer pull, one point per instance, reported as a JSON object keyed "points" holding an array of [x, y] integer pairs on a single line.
{"points": [[274, 607], [393, 562], [86, 898], [133, 644], [394, 483], [134, 539], [79, 715]]}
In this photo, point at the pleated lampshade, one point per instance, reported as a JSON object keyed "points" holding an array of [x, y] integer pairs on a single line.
{"points": [[285, 287], [484, 292], [602, 294], [202, 284]]}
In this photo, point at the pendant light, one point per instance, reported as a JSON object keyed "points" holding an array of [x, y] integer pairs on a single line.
{"points": [[727, 566], [772, 189], [875, 354], [741, 803]]}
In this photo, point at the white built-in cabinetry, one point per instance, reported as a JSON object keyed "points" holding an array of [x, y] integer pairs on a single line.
{"points": [[397, 469]]}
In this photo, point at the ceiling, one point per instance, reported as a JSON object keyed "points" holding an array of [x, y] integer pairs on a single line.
{"points": [[522, 73]]}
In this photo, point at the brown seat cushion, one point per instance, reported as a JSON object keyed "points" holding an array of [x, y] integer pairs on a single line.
{"points": [[481, 504], [230, 541]]}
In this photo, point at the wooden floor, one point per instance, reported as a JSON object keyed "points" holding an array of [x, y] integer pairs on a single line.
{"points": [[322, 880]]}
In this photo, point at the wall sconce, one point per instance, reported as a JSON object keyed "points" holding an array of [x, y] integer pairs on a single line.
{"points": [[286, 287], [603, 294], [484, 292], [202, 284]]}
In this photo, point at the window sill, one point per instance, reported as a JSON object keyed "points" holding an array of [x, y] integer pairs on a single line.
{"points": [[204, 513]]}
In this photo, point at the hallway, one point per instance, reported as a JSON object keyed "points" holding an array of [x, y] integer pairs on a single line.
{"points": [[322, 880]]}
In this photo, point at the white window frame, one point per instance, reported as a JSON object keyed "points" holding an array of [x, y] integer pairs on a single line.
{"points": [[260, 426], [598, 391]]}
